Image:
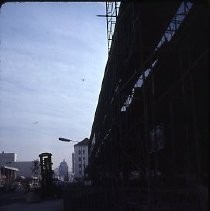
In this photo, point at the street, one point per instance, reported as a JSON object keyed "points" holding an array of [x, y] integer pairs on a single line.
{"points": [[28, 202]]}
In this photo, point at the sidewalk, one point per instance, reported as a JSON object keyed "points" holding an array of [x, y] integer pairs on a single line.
{"points": [[51, 205]]}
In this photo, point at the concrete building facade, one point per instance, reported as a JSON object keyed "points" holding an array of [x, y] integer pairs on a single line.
{"points": [[80, 159]]}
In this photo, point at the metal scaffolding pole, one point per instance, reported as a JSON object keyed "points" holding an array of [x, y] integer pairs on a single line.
{"points": [[112, 9]]}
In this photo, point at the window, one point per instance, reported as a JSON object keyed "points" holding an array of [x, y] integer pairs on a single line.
{"points": [[83, 158], [80, 166], [80, 172], [80, 159], [157, 138], [83, 151], [79, 151]]}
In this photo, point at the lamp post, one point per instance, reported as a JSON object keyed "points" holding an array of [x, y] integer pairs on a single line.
{"points": [[67, 140]]}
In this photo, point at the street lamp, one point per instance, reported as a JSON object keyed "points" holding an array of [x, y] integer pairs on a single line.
{"points": [[67, 140]]}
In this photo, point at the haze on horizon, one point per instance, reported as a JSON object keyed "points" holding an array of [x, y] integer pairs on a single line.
{"points": [[53, 57]]}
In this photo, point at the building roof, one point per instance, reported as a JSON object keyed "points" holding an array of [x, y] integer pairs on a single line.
{"points": [[63, 162], [83, 142], [6, 153], [11, 168]]}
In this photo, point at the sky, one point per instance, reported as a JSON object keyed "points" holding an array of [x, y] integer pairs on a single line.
{"points": [[52, 61]]}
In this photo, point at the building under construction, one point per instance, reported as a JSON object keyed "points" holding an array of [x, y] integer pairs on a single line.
{"points": [[150, 126]]}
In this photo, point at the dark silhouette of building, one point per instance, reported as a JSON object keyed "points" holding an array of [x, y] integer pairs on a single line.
{"points": [[150, 125], [46, 173]]}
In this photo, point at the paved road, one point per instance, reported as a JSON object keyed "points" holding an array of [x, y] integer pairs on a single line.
{"points": [[18, 201], [51, 205]]}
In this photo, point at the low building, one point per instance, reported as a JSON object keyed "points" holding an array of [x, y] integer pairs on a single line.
{"points": [[7, 175], [6, 158], [26, 168]]}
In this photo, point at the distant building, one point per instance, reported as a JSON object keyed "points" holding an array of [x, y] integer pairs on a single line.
{"points": [[80, 159], [63, 171], [6, 158], [71, 176], [56, 173], [7, 175], [26, 168], [73, 162]]}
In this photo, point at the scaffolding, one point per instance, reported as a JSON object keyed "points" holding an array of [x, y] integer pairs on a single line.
{"points": [[150, 129], [112, 10]]}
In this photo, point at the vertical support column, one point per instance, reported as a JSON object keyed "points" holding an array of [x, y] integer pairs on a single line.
{"points": [[172, 137], [155, 153], [184, 98], [196, 134], [146, 137]]}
